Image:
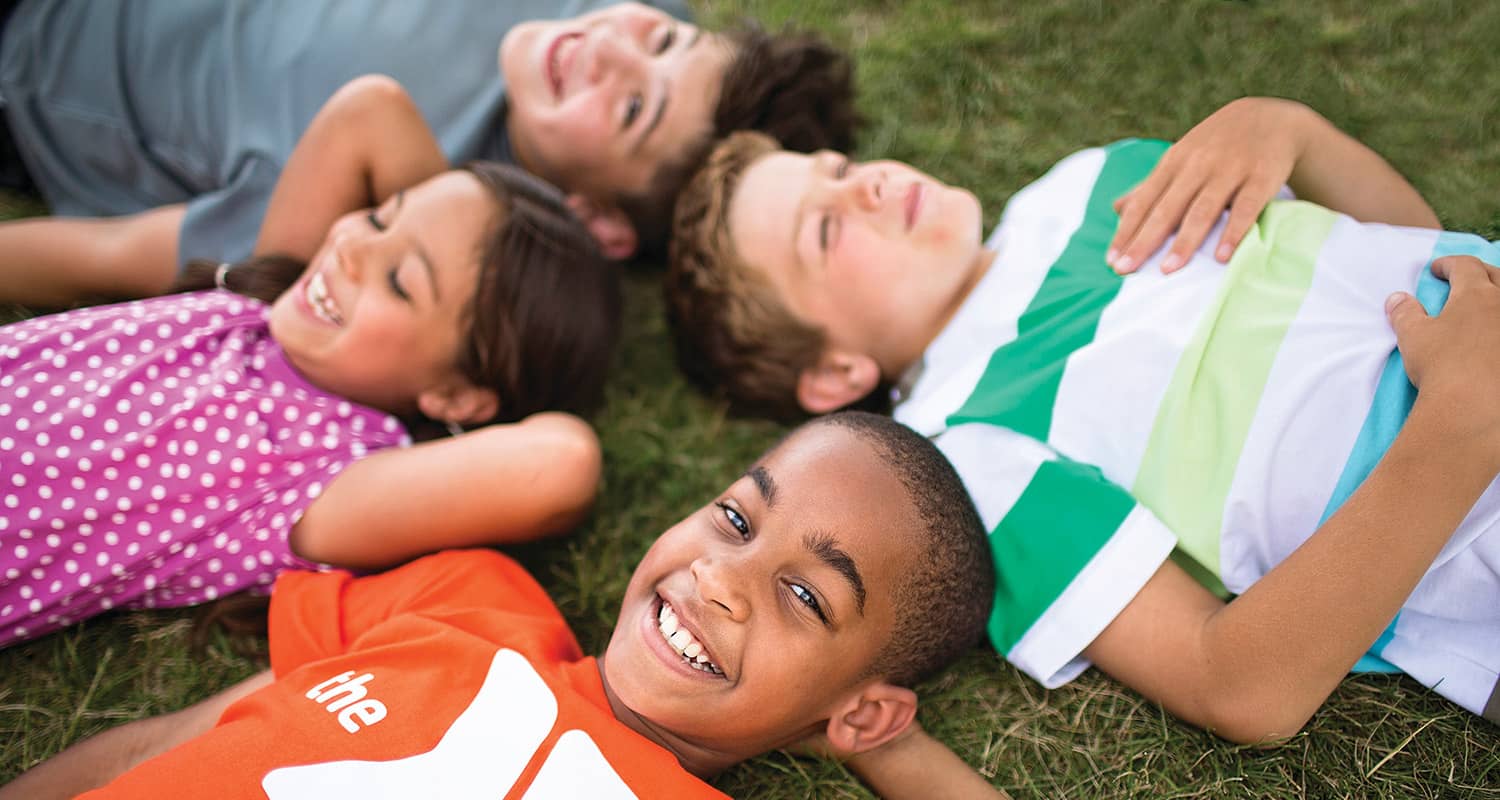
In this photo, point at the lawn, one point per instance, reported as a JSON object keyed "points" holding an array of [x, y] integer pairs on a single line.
{"points": [[986, 95]]}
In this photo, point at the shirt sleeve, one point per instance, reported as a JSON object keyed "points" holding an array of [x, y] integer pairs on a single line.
{"points": [[318, 614], [1071, 549]]}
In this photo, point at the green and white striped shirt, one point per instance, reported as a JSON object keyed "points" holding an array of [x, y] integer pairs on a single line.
{"points": [[1101, 422]]}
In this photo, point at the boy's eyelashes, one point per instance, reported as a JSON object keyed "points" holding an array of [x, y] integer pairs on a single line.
{"points": [[668, 37], [393, 277], [806, 597], [633, 106], [734, 519]]}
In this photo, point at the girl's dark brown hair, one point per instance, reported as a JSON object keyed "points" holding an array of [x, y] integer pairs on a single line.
{"points": [[545, 314]]}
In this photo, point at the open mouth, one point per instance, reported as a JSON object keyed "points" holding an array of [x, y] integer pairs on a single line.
{"points": [[682, 641], [320, 301], [558, 61]]}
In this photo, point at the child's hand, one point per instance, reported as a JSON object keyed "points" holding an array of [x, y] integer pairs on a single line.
{"points": [[1451, 357], [1237, 158]]}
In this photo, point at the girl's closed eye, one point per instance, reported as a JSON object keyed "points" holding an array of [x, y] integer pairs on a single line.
{"points": [[393, 277], [373, 217]]}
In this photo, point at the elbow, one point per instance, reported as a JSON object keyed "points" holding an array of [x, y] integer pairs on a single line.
{"points": [[1257, 717], [574, 465]]}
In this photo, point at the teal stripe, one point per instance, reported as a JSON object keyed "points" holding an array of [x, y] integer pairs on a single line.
{"points": [[1019, 386], [1394, 396], [1067, 512]]}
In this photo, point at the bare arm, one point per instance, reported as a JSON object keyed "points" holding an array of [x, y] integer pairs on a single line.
{"points": [[502, 483], [1238, 158], [101, 758], [1257, 668], [915, 765], [367, 142]]}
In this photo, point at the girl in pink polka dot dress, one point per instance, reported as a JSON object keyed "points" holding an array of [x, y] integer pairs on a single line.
{"points": [[174, 450]]}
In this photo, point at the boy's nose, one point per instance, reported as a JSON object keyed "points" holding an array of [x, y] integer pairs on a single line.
{"points": [[613, 55], [863, 190], [719, 590]]}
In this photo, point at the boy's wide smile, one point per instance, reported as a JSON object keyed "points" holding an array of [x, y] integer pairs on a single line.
{"points": [[747, 623], [685, 645]]}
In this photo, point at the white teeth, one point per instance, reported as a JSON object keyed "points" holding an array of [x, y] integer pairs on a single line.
{"points": [[322, 304], [683, 642]]}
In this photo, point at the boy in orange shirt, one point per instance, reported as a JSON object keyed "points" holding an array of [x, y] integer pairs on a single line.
{"points": [[794, 609]]}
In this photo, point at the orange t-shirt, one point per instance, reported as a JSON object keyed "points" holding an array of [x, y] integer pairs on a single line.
{"points": [[453, 676]]}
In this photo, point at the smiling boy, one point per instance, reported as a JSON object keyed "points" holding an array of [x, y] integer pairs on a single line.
{"points": [[797, 606], [181, 117], [1233, 414]]}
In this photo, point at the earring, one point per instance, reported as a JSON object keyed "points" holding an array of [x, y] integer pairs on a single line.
{"points": [[454, 429], [221, 275]]}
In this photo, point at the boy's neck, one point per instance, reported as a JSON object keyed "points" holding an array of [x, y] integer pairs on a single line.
{"points": [[700, 761], [904, 366]]}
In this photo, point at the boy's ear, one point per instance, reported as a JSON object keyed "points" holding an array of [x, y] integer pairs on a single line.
{"points": [[877, 714], [460, 402], [610, 227], [838, 379]]}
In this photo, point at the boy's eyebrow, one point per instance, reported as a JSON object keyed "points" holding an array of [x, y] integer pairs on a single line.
{"points": [[822, 546], [764, 484], [665, 95]]}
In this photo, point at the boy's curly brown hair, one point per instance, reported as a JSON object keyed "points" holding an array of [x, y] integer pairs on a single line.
{"points": [[733, 334]]}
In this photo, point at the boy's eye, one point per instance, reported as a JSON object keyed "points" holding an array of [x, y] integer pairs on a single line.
{"points": [[632, 109], [394, 279], [375, 220], [667, 39], [735, 519], [808, 599]]}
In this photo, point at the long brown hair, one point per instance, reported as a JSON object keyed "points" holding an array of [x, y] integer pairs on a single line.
{"points": [[545, 314]]}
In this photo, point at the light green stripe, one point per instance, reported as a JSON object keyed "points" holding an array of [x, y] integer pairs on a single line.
{"points": [[1019, 385], [1066, 513], [1206, 413]]}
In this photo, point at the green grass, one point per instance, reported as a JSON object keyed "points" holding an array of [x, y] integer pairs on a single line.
{"points": [[986, 95]]}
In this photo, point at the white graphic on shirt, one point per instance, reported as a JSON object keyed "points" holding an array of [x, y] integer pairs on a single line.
{"points": [[576, 769], [481, 755]]}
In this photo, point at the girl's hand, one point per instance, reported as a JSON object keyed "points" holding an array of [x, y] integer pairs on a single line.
{"points": [[1237, 158]]}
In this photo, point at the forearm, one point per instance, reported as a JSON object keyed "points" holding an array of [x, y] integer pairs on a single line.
{"points": [[101, 758], [918, 766], [365, 144], [1287, 641], [1337, 171], [54, 262]]}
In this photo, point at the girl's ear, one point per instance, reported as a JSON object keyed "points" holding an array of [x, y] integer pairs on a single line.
{"points": [[869, 719], [609, 226], [838, 379], [459, 402]]}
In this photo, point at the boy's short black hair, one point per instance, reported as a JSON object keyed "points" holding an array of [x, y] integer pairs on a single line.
{"points": [[943, 599]]}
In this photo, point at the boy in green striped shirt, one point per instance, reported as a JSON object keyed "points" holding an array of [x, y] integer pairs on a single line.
{"points": [[1142, 448]]}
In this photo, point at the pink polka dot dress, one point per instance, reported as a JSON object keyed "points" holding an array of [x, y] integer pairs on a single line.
{"points": [[157, 453]]}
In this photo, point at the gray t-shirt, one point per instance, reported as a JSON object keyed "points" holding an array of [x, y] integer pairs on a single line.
{"points": [[119, 106]]}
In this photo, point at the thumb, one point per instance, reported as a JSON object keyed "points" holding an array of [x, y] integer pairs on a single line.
{"points": [[1404, 312]]}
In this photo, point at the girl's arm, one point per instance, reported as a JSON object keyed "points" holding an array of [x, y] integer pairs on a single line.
{"points": [[1256, 668], [368, 141], [101, 758], [1238, 158], [497, 484]]}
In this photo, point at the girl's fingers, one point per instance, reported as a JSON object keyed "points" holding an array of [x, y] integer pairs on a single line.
{"points": [[1248, 202]]}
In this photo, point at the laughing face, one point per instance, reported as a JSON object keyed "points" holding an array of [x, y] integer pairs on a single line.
{"points": [[748, 624], [597, 103], [377, 317]]}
